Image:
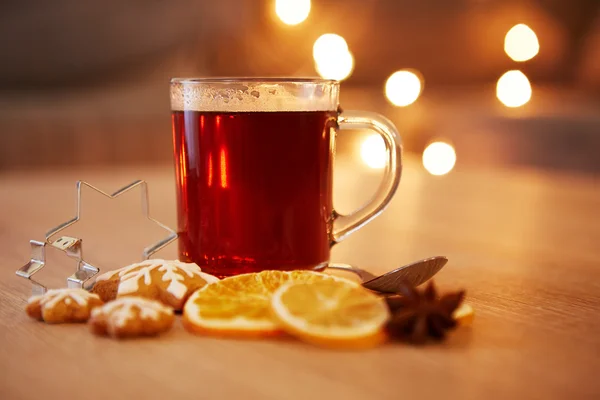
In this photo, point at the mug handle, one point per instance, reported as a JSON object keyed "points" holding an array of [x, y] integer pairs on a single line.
{"points": [[344, 225]]}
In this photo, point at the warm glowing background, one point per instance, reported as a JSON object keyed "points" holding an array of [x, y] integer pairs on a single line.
{"points": [[479, 83]]}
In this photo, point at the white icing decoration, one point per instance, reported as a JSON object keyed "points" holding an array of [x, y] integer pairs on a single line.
{"points": [[173, 273], [176, 288], [53, 296], [121, 311]]}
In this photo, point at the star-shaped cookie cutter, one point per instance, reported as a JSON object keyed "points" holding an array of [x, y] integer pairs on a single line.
{"points": [[69, 245], [73, 246]]}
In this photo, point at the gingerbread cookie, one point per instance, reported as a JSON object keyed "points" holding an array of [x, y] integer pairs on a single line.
{"points": [[63, 305], [131, 316], [170, 282]]}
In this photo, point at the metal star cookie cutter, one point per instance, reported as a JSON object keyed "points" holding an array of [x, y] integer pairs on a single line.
{"points": [[73, 246], [69, 245]]}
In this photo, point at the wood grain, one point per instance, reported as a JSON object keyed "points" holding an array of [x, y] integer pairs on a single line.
{"points": [[524, 244]]}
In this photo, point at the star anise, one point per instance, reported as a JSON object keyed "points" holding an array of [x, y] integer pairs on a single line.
{"points": [[419, 315]]}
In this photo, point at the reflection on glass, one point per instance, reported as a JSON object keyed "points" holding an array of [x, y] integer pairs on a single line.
{"points": [[223, 157], [210, 169]]}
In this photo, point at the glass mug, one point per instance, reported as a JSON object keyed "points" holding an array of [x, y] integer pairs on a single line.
{"points": [[254, 162]]}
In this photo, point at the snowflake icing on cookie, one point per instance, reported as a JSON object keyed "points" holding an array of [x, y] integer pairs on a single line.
{"points": [[54, 296], [122, 311], [173, 272]]}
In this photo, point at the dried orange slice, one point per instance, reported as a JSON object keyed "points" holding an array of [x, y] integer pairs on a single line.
{"points": [[464, 314], [331, 312], [240, 305]]}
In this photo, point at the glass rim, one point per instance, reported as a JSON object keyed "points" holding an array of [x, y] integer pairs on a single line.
{"points": [[237, 80]]}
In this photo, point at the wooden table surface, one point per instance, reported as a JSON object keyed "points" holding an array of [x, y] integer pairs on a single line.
{"points": [[524, 244]]}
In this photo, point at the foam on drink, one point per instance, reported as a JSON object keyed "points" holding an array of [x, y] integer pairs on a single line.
{"points": [[223, 96]]}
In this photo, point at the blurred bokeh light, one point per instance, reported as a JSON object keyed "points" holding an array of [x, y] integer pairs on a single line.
{"points": [[327, 45], [332, 57], [373, 151], [292, 12], [403, 88], [439, 158], [444, 78], [513, 89], [521, 43], [338, 68]]}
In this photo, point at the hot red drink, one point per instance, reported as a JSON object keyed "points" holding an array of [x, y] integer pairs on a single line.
{"points": [[254, 172], [254, 189]]}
